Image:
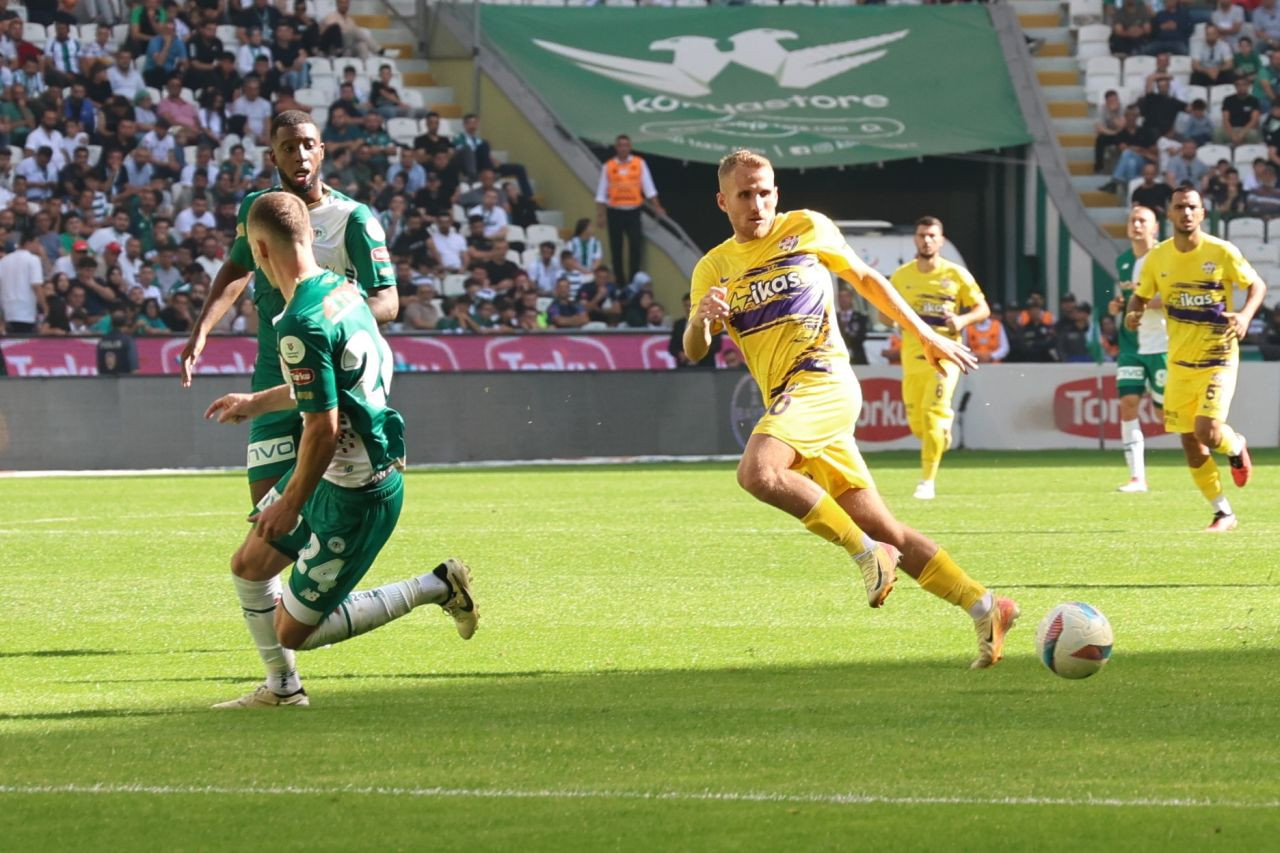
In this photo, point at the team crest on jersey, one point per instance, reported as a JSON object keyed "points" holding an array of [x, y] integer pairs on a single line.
{"points": [[789, 243], [317, 234], [291, 349], [1209, 267]]}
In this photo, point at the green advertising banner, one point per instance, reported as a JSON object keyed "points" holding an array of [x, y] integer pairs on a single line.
{"points": [[804, 86]]}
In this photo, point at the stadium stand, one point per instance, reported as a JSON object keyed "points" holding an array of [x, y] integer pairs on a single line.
{"points": [[127, 143]]}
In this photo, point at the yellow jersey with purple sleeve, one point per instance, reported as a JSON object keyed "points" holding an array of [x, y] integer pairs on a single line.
{"points": [[782, 318], [1197, 288]]}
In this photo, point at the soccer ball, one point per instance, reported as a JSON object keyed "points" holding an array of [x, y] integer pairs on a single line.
{"points": [[1074, 640]]}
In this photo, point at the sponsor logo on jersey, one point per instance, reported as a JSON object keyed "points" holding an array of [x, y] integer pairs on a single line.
{"points": [[381, 255], [1087, 408], [291, 349], [1190, 300], [302, 375], [927, 307], [884, 415], [766, 288]]}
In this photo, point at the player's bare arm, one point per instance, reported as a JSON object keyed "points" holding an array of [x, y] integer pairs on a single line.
{"points": [[1238, 321], [315, 452], [885, 297], [710, 310], [1137, 307], [238, 407], [385, 305], [228, 284], [979, 312]]}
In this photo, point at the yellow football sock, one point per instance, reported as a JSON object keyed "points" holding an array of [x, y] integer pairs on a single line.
{"points": [[833, 524], [1207, 480], [1230, 441], [942, 577], [932, 445]]}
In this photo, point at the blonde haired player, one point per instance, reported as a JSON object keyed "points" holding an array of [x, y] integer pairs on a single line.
{"points": [[1196, 276], [946, 297], [769, 287]]}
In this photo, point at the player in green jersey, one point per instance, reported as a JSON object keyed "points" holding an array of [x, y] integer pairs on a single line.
{"points": [[336, 508], [348, 240], [1140, 365]]}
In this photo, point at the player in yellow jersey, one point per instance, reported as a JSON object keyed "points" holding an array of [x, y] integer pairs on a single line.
{"points": [[947, 298], [1196, 276], [769, 287]]}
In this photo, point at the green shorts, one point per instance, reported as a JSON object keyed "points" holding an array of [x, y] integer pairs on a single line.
{"points": [[273, 445], [273, 437], [1136, 373], [339, 534]]}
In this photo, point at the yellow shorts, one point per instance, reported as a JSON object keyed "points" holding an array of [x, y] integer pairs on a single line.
{"points": [[816, 416], [1193, 392], [925, 394]]}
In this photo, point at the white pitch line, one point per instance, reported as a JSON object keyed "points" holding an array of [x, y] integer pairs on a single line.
{"points": [[677, 796]]}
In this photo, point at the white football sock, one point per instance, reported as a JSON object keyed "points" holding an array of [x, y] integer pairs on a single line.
{"points": [[361, 612], [1222, 505], [258, 601], [1135, 445], [982, 606]]}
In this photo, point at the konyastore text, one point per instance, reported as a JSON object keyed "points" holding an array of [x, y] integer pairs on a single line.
{"points": [[668, 104]]}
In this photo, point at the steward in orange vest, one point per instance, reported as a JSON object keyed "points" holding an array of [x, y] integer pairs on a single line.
{"points": [[625, 185]]}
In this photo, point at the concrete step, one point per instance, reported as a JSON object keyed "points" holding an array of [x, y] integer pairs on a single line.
{"points": [[1035, 20], [1062, 93], [446, 110], [418, 78], [1082, 125], [373, 21], [1075, 140], [1097, 198], [552, 217], [1037, 7], [1059, 78], [1068, 109], [1051, 33], [1116, 229], [1088, 182], [1055, 63], [1109, 215], [1081, 167], [436, 94], [1054, 49]]}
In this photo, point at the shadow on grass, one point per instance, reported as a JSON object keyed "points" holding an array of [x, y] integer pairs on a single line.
{"points": [[899, 728], [959, 458], [76, 653]]}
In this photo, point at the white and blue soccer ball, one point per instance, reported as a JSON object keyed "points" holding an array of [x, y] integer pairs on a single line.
{"points": [[1074, 640]]}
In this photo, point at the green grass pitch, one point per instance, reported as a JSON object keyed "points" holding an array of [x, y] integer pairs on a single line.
{"points": [[661, 664]]}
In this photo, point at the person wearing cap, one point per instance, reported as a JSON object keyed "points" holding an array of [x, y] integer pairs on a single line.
{"points": [[66, 264]]}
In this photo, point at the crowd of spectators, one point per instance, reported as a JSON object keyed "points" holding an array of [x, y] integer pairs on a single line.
{"points": [[1158, 139], [124, 158]]}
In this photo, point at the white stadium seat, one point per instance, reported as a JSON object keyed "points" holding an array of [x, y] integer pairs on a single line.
{"points": [[1246, 226], [1244, 155], [1211, 154]]}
